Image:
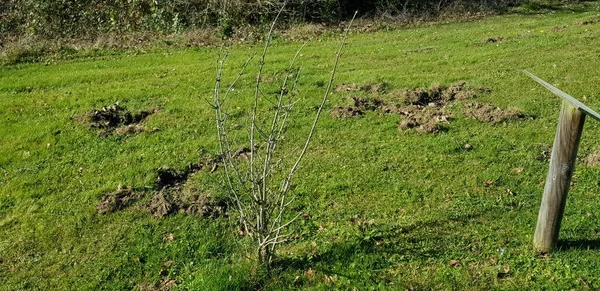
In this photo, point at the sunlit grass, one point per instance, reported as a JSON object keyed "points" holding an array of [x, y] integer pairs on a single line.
{"points": [[388, 209]]}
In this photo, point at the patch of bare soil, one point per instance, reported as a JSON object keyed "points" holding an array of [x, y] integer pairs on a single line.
{"points": [[358, 107], [174, 200], [117, 200], [544, 153], [421, 109], [168, 177], [116, 119], [559, 27], [242, 153], [173, 195], [588, 22], [437, 94], [424, 119], [494, 39], [492, 114], [593, 159], [164, 284]]}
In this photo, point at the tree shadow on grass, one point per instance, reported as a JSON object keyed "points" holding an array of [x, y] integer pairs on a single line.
{"points": [[578, 244], [372, 249], [529, 8]]}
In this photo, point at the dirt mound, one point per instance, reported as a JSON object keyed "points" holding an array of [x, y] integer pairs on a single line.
{"points": [[544, 154], [168, 177], [438, 94], [424, 119], [175, 200], [346, 112], [492, 114], [114, 201], [494, 39], [593, 159], [422, 109], [588, 22], [242, 153], [173, 195], [358, 107], [116, 119], [164, 284]]}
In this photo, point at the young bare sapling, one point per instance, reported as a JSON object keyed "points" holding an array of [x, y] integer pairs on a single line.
{"points": [[259, 185]]}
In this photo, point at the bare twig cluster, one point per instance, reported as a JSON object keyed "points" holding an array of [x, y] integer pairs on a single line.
{"points": [[259, 186]]}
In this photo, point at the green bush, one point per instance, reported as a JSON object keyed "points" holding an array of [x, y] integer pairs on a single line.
{"points": [[88, 18]]}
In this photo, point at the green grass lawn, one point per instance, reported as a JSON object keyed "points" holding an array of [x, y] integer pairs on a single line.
{"points": [[386, 209]]}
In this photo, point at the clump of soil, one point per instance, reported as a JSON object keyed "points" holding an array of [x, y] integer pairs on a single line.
{"points": [[346, 112], [588, 22], [422, 109], [424, 119], [117, 200], [545, 153], [376, 88], [173, 196], [168, 177], [492, 114], [437, 94], [494, 39], [593, 159], [175, 200], [116, 119], [242, 153], [165, 284], [358, 107]]}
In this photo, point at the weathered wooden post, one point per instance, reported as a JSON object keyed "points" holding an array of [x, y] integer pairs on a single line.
{"points": [[562, 165]]}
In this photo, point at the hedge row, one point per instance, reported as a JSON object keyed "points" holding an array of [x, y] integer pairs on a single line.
{"points": [[71, 18]]}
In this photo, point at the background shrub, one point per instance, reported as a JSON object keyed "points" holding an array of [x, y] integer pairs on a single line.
{"points": [[88, 18]]}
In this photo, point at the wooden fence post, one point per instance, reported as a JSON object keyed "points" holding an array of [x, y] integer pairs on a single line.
{"points": [[562, 165]]}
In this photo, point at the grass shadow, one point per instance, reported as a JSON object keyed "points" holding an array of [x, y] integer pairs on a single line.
{"points": [[578, 244], [532, 7], [380, 247]]}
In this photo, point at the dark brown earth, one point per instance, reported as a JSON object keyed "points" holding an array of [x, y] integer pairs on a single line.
{"points": [[116, 119], [424, 119], [494, 39], [114, 201], [422, 109], [176, 199], [544, 153], [492, 114], [164, 284], [588, 22], [171, 194], [358, 108]]}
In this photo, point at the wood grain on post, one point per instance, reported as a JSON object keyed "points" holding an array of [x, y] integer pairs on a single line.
{"points": [[562, 165]]}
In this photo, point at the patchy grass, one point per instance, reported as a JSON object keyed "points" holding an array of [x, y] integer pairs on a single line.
{"points": [[382, 208]]}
